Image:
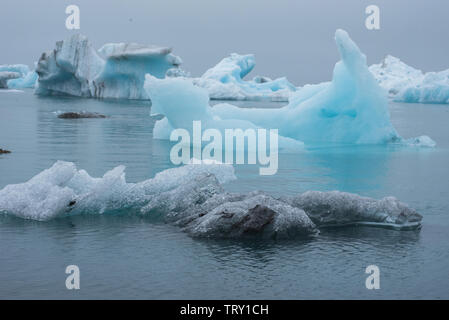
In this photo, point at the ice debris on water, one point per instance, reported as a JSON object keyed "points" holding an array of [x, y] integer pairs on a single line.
{"points": [[193, 197]]}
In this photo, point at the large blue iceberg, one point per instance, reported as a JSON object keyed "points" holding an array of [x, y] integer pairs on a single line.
{"points": [[17, 76], [117, 70], [352, 108], [407, 84], [226, 81]]}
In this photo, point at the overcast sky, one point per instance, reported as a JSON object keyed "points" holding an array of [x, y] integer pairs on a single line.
{"points": [[289, 38]]}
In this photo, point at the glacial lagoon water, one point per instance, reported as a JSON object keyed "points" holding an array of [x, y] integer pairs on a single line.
{"points": [[125, 256]]}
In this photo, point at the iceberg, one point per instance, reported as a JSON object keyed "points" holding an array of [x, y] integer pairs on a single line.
{"points": [[407, 84], [352, 108], [193, 198], [337, 208], [226, 81], [69, 68], [117, 70], [6, 76], [123, 74], [181, 102], [63, 189], [17, 76]]}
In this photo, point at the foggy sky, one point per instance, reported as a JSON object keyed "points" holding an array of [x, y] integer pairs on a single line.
{"points": [[289, 38]]}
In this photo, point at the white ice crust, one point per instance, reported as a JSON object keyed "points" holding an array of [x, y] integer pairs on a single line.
{"points": [[407, 84], [225, 81]]}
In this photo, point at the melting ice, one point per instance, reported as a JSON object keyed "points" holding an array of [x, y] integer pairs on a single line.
{"points": [[193, 198]]}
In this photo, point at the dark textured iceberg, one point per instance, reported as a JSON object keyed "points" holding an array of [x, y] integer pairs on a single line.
{"points": [[193, 198]]}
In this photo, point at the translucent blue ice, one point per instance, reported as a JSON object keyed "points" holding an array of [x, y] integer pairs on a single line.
{"points": [[26, 78], [352, 108]]}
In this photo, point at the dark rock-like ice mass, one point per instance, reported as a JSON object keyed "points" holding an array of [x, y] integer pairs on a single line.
{"points": [[193, 198]]}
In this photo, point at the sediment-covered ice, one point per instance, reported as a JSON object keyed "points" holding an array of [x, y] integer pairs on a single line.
{"points": [[340, 208], [192, 197], [225, 81], [352, 108], [117, 70], [407, 84], [69, 68]]}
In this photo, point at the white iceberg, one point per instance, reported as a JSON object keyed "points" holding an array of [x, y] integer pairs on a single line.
{"points": [[407, 84], [20, 76], [226, 81], [55, 191], [117, 70], [352, 108], [193, 198]]}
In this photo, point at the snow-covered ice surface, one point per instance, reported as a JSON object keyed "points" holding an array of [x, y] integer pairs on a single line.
{"points": [[117, 70], [407, 84], [352, 108], [225, 81], [20, 76], [193, 198]]}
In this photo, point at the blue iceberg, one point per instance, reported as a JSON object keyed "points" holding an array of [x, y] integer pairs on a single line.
{"points": [[181, 102], [117, 70], [17, 76], [352, 108]]}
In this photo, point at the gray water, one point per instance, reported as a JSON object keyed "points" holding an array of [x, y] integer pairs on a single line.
{"points": [[134, 257]]}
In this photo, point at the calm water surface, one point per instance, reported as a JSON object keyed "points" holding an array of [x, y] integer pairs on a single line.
{"points": [[133, 257]]}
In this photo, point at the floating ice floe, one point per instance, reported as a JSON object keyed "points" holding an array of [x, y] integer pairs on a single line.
{"points": [[340, 208], [117, 70], [17, 76], [407, 84], [193, 198], [352, 108], [226, 81]]}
